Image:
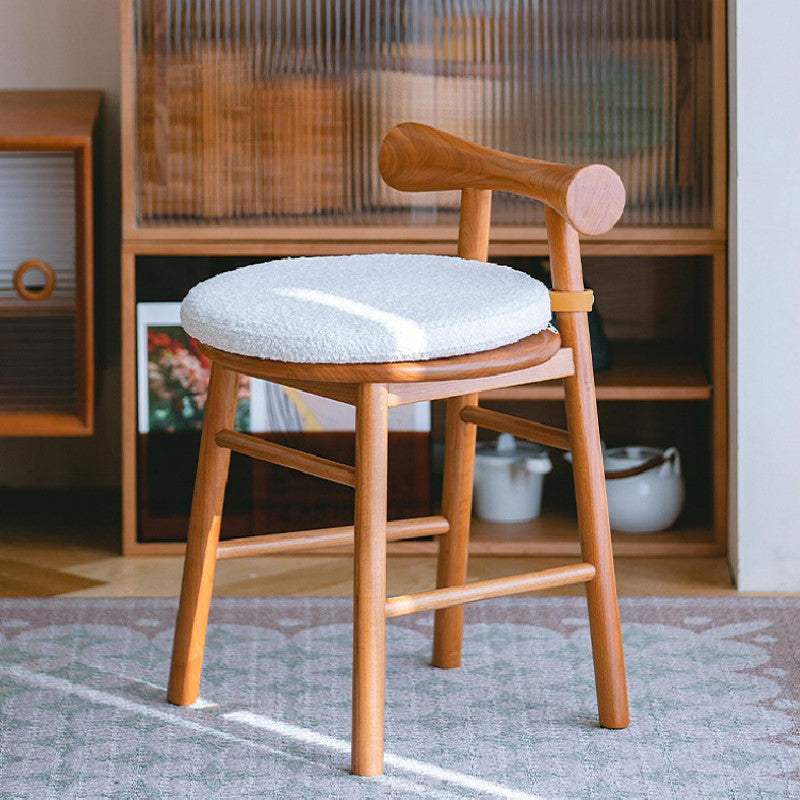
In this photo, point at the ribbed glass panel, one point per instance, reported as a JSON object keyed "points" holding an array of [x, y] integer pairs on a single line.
{"points": [[272, 111], [37, 221]]}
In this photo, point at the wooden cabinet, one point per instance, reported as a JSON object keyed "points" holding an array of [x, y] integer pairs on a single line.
{"points": [[253, 131], [46, 249]]}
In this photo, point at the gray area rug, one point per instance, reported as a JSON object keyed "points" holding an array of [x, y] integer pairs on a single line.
{"points": [[714, 688]]}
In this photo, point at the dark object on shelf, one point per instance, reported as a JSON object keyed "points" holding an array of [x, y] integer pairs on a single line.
{"points": [[601, 348], [263, 498]]}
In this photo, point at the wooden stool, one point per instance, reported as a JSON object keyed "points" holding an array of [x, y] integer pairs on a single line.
{"points": [[415, 157]]}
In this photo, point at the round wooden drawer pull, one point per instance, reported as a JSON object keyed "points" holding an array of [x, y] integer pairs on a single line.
{"points": [[47, 273]]}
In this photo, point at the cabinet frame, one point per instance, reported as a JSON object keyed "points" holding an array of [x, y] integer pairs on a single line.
{"points": [[660, 545], [507, 241], [62, 121]]}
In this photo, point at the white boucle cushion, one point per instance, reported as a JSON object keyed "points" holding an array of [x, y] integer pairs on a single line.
{"points": [[365, 308]]}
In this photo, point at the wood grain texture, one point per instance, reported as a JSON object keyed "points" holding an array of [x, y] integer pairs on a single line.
{"points": [[45, 117], [416, 158], [719, 116], [41, 423], [550, 535], [553, 533], [127, 125], [474, 221], [718, 330], [51, 538], [590, 487], [521, 428], [685, 122], [641, 371], [161, 91], [296, 541], [506, 240], [459, 467], [288, 457], [84, 279], [454, 596], [201, 548], [527, 352], [459, 453], [341, 392], [369, 580], [130, 544], [558, 366]]}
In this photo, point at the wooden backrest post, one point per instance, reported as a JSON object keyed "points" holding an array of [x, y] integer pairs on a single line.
{"points": [[473, 224], [579, 391], [566, 273], [566, 270]]}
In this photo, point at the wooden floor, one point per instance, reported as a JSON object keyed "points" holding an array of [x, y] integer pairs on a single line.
{"points": [[67, 543]]}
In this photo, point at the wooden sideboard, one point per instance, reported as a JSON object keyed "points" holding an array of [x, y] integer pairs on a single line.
{"points": [[246, 135]]}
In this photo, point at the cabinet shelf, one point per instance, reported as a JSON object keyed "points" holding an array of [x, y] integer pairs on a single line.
{"points": [[640, 371], [555, 533], [247, 234]]}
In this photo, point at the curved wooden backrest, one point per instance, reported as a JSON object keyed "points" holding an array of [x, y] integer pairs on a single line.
{"points": [[418, 158]]}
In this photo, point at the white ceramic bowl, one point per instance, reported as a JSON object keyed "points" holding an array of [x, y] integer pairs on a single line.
{"points": [[649, 502]]}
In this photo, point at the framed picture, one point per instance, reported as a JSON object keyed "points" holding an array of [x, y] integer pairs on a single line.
{"points": [[172, 378]]}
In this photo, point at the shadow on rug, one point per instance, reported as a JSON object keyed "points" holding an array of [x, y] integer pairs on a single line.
{"points": [[714, 689]]}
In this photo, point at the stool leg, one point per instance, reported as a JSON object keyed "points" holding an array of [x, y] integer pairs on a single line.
{"points": [[459, 461], [590, 484], [369, 582], [201, 547], [595, 532]]}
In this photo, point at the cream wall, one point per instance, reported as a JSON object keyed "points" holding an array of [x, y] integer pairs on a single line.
{"points": [[74, 44], [765, 293]]}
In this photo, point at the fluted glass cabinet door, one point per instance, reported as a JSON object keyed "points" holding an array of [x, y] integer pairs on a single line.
{"points": [[272, 111]]}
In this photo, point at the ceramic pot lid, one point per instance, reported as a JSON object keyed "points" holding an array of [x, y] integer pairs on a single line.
{"points": [[506, 449]]}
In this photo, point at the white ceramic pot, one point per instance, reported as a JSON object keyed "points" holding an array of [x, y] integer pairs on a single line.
{"points": [[650, 501], [508, 480]]}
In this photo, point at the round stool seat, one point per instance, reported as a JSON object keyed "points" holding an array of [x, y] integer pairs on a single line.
{"points": [[365, 309]]}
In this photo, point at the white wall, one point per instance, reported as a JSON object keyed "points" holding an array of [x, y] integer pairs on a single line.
{"points": [[765, 293], [62, 44]]}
